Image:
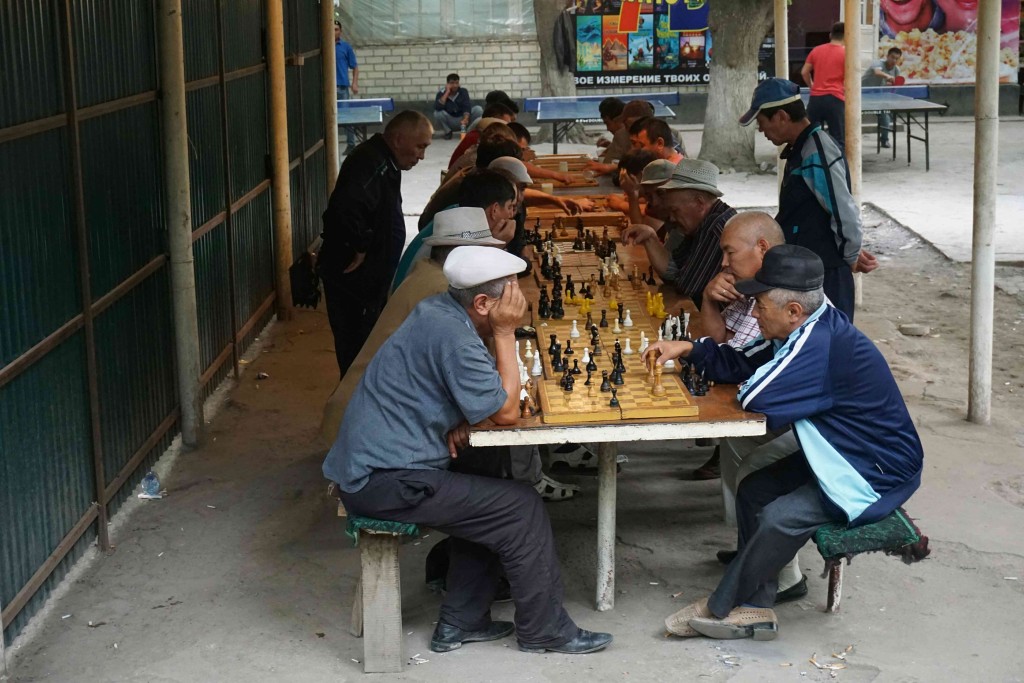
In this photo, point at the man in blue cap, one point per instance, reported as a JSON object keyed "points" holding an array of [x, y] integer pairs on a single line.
{"points": [[816, 207], [857, 456]]}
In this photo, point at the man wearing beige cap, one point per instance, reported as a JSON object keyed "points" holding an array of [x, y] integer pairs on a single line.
{"points": [[692, 199], [409, 417]]}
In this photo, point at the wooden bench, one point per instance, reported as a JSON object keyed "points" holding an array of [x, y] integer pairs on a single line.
{"points": [[893, 535], [377, 605]]}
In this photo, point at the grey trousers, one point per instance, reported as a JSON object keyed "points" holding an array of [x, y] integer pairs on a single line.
{"points": [[778, 509], [493, 523]]}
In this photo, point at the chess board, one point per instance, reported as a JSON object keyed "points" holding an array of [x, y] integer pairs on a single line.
{"points": [[588, 404], [591, 219], [578, 180]]}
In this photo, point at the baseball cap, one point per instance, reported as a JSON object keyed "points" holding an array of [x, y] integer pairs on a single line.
{"points": [[786, 266], [773, 92]]}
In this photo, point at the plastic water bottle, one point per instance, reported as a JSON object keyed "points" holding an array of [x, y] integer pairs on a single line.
{"points": [[151, 485], [462, 132]]}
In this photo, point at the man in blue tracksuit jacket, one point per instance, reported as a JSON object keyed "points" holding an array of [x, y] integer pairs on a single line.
{"points": [[859, 455]]}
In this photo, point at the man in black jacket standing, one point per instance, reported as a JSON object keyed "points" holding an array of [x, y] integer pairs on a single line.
{"points": [[364, 230]]}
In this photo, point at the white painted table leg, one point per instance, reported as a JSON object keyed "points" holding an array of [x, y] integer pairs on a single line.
{"points": [[606, 485]]}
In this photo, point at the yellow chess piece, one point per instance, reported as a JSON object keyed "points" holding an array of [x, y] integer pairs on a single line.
{"points": [[613, 304]]}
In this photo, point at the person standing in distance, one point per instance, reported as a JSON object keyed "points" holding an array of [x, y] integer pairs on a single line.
{"points": [[344, 60], [824, 72]]}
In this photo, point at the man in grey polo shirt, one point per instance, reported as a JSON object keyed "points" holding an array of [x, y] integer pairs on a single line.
{"points": [[411, 413]]}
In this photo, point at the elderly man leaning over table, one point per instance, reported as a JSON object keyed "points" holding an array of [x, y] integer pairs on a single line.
{"points": [[409, 417], [857, 456], [692, 199]]}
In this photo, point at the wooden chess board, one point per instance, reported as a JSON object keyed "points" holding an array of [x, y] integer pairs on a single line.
{"points": [[589, 404], [591, 219], [578, 180]]}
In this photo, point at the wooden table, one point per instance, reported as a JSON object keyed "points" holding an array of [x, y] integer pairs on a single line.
{"points": [[720, 416]]}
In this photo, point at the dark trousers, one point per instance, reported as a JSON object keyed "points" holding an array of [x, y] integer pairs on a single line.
{"points": [[778, 508], [839, 289], [493, 523], [831, 111], [351, 318]]}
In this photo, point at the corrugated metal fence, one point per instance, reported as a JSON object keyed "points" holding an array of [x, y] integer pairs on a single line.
{"points": [[88, 397]]}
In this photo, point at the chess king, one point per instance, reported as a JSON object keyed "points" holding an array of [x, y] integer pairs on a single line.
{"points": [[408, 419]]}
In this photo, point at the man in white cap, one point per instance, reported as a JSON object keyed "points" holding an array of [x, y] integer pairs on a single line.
{"points": [[692, 199], [410, 415]]}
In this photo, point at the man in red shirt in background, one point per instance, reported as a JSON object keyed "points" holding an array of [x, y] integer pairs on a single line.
{"points": [[823, 73]]}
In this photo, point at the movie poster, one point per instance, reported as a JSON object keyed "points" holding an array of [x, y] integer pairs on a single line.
{"points": [[666, 45], [938, 39], [588, 43], [691, 50], [641, 44], [614, 53]]}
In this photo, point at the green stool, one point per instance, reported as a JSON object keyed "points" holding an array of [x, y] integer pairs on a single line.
{"points": [[377, 607], [893, 535]]}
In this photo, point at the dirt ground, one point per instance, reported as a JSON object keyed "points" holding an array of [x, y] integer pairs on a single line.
{"points": [[243, 572]]}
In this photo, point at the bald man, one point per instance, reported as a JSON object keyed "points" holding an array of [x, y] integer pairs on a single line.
{"points": [[726, 314]]}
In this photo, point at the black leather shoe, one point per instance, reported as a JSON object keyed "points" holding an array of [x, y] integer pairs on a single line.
{"points": [[584, 642], [447, 637], [794, 592], [726, 556]]}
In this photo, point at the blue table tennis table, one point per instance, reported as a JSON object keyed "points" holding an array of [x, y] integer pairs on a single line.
{"points": [[563, 112], [358, 114], [906, 104]]}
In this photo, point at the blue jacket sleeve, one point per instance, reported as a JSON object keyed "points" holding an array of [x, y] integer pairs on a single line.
{"points": [[794, 383], [723, 363]]}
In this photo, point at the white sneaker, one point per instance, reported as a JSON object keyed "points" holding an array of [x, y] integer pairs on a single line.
{"points": [[549, 489]]}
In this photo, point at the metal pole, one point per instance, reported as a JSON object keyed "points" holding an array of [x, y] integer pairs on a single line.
{"points": [[280, 182], [330, 88], [853, 117], [606, 493], [983, 258], [781, 66], [179, 217]]}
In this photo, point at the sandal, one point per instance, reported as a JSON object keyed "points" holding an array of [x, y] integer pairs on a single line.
{"points": [[576, 456], [549, 489]]}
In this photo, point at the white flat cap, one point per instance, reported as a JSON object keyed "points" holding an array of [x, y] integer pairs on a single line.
{"points": [[461, 225], [694, 174], [468, 267], [513, 167]]}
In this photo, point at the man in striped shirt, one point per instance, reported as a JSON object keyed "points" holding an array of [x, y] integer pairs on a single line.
{"points": [[692, 199]]}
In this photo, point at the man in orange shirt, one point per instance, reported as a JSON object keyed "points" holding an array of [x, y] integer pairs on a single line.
{"points": [[823, 73]]}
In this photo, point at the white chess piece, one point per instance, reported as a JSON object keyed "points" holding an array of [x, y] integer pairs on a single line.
{"points": [[670, 364], [536, 370], [643, 342], [686, 324], [574, 333], [661, 336], [524, 376], [517, 348], [616, 329], [529, 350], [627, 350], [586, 355], [628, 322]]}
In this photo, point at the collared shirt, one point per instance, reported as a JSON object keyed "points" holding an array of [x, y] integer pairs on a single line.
{"points": [[432, 374], [738, 319], [870, 79], [344, 59], [699, 257]]}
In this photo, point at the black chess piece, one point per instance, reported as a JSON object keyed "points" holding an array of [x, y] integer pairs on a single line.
{"points": [[604, 318], [568, 347], [600, 279], [589, 374], [590, 321], [591, 364], [619, 364], [605, 384], [577, 244], [650, 276], [618, 348], [579, 225], [614, 403], [570, 382], [576, 366], [553, 345], [544, 306], [616, 377], [557, 364], [545, 265], [675, 332]]}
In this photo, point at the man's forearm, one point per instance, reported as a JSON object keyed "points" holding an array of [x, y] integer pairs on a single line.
{"points": [[508, 369], [657, 256]]}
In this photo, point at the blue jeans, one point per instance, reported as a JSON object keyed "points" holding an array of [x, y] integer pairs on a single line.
{"points": [[350, 133], [884, 124], [451, 124]]}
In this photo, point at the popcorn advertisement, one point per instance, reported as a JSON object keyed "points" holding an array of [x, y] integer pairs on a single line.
{"points": [[938, 39]]}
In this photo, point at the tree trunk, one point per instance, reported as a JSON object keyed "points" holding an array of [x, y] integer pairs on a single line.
{"points": [[737, 29], [553, 82]]}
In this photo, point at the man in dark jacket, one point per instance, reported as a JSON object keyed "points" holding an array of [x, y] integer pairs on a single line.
{"points": [[453, 108], [364, 230], [857, 455], [816, 208]]}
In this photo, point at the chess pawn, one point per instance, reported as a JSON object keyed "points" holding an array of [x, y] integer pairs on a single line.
{"points": [[628, 322], [589, 383], [627, 350], [606, 385], [524, 376], [576, 366], [658, 389], [568, 348], [529, 350], [614, 403], [616, 329], [604, 318], [574, 333], [643, 343], [536, 370], [586, 355], [661, 337]]}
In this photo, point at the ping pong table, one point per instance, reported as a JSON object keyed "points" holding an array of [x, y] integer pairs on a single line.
{"points": [[358, 114], [563, 112], [905, 104]]}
